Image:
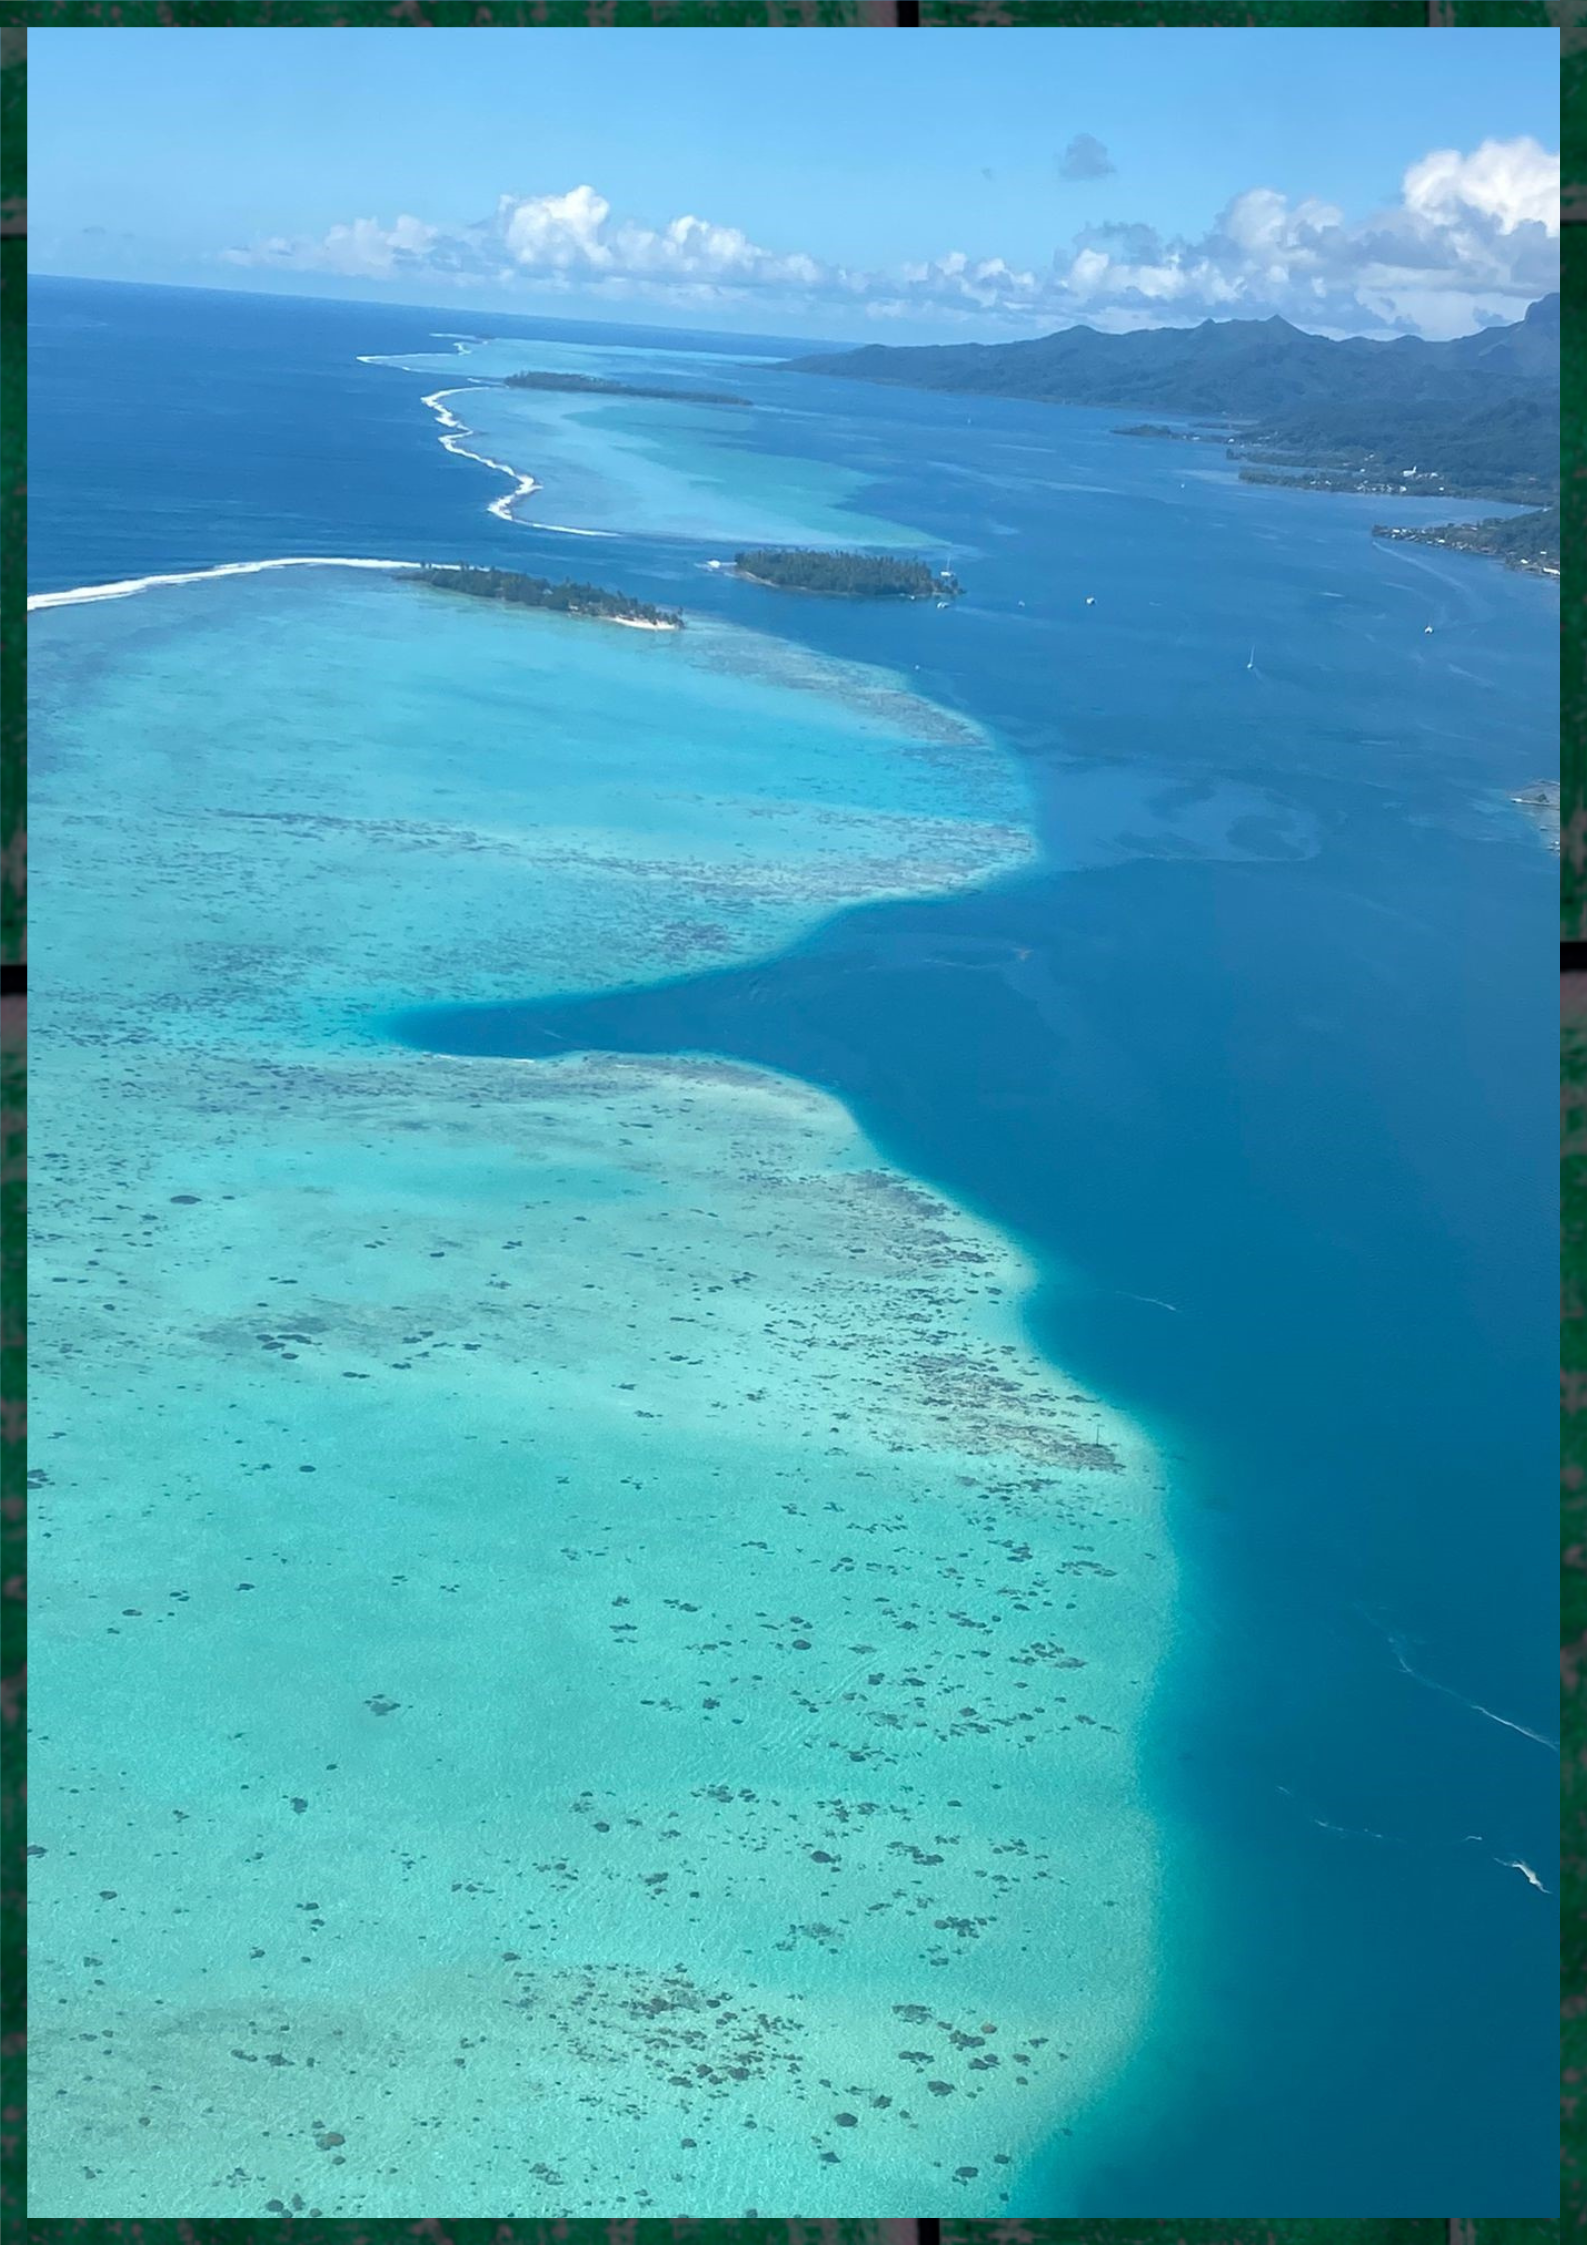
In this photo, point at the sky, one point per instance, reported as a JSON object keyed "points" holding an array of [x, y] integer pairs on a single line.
{"points": [[958, 185]]}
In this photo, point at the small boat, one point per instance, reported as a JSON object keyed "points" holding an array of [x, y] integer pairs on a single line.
{"points": [[1251, 662], [1091, 599]]}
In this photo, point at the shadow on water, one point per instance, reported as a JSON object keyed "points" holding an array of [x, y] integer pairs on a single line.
{"points": [[1250, 1122]]}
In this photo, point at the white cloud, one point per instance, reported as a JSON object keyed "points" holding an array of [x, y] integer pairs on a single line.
{"points": [[1513, 181], [364, 248], [555, 231], [1472, 237]]}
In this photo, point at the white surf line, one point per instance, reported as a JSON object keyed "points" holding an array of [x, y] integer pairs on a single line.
{"points": [[462, 344], [1475, 1705], [125, 585], [456, 430]]}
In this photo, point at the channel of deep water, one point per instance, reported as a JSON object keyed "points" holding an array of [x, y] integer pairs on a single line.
{"points": [[1244, 1066]]}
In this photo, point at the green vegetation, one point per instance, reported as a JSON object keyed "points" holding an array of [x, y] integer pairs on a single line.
{"points": [[1505, 448], [859, 575], [1178, 436], [1477, 416], [600, 386], [1521, 541], [566, 598]]}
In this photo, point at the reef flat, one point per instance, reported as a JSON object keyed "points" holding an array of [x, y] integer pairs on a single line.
{"points": [[590, 1664]]}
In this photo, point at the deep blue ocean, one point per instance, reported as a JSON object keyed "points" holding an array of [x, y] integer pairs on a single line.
{"points": [[1258, 1065]]}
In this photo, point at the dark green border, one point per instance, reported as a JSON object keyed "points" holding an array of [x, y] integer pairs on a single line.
{"points": [[13, 478], [1573, 1146], [15, 16], [785, 14]]}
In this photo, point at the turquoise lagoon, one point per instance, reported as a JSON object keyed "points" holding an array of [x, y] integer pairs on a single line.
{"points": [[647, 467], [590, 1664], [1234, 1082]]}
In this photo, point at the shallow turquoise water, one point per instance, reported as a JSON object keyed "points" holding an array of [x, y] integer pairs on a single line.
{"points": [[1252, 1060], [646, 1653], [643, 466]]}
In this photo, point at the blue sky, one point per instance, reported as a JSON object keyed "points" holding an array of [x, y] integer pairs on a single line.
{"points": [[957, 183]]}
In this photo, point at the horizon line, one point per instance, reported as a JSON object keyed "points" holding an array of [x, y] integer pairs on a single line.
{"points": [[301, 296]]}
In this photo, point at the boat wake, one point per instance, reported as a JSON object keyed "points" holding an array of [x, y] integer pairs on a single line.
{"points": [[1510, 1863], [1393, 1839], [1398, 1648]]}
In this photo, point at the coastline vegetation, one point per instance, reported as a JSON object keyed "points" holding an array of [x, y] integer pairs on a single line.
{"points": [[1177, 436], [565, 598], [600, 385], [1520, 541], [854, 575], [1509, 450], [1476, 416]]}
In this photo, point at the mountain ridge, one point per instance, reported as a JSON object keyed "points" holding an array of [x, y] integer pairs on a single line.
{"points": [[1495, 392]]}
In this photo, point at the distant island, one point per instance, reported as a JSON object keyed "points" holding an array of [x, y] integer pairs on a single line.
{"points": [[1520, 541], [565, 599], [1177, 436], [858, 575], [1474, 417], [599, 386]]}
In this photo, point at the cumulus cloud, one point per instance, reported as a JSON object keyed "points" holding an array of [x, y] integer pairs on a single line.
{"points": [[555, 239], [1473, 237], [1085, 158], [1514, 182]]}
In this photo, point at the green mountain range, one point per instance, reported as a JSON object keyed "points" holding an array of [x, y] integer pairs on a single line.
{"points": [[1477, 415]]}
